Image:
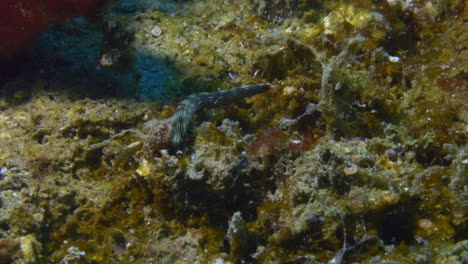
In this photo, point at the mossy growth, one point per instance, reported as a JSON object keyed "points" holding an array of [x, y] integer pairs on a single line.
{"points": [[357, 154]]}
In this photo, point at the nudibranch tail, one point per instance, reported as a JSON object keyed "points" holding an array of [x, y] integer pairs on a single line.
{"points": [[195, 102]]}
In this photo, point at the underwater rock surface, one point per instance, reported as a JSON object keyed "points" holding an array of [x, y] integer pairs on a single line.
{"points": [[357, 154], [23, 20]]}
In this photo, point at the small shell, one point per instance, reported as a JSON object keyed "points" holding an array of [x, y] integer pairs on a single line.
{"points": [[288, 90], [351, 170], [424, 223], [156, 31]]}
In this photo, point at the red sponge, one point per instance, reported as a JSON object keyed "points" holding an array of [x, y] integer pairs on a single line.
{"points": [[22, 20]]}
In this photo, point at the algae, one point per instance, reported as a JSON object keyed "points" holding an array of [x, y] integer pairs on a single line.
{"points": [[357, 154]]}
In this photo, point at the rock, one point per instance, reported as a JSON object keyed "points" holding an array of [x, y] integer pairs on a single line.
{"points": [[22, 21]]}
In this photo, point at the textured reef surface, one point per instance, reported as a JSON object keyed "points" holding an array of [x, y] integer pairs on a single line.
{"points": [[356, 154]]}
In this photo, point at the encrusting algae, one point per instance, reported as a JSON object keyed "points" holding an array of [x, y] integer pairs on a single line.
{"points": [[356, 154]]}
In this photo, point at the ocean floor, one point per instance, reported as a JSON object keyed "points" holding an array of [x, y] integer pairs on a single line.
{"points": [[356, 154]]}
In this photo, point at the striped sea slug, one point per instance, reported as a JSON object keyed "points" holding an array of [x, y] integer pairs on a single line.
{"points": [[195, 102]]}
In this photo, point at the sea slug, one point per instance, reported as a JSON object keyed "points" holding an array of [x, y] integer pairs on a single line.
{"points": [[195, 102]]}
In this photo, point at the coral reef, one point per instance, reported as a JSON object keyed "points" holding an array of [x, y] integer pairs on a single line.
{"points": [[357, 154]]}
